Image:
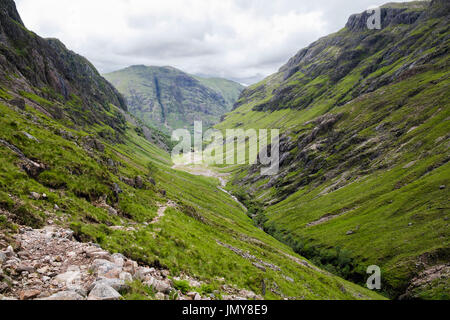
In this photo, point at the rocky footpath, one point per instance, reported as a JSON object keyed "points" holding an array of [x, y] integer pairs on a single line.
{"points": [[48, 264]]}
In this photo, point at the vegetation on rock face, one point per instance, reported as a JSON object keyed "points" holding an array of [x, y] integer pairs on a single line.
{"points": [[167, 98], [51, 70], [84, 184], [364, 176], [83, 162]]}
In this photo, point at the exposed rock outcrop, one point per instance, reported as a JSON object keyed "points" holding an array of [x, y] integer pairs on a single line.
{"points": [[49, 264], [168, 98], [47, 64]]}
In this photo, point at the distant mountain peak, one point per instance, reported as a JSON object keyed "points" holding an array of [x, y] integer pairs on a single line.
{"points": [[362, 115], [168, 98]]}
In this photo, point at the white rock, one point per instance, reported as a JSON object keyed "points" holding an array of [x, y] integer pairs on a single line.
{"points": [[102, 267], [247, 294], [118, 260], [131, 267], [65, 295], [289, 279], [42, 270], [29, 136], [103, 262], [126, 276], [160, 296], [35, 196], [101, 255], [102, 291], [112, 211], [116, 284], [9, 251], [143, 274], [158, 285], [73, 268], [78, 289], [2, 258], [194, 283]]}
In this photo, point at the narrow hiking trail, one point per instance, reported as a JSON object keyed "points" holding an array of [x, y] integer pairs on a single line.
{"points": [[50, 264], [198, 170], [206, 172], [162, 211], [159, 215]]}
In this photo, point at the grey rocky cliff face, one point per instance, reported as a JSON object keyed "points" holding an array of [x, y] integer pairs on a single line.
{"points": [[167, 98], [439, 8], [8, 8], [332, 58], [46, 63], [389, 17], [52, 265]]}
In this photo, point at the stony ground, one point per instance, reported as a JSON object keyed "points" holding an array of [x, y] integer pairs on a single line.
{"points": [[49, 264]]}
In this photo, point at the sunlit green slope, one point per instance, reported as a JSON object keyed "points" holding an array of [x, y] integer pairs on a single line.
{"points": [[63, 134], [364, 177]]}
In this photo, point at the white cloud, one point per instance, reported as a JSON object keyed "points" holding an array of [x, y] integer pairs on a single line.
{"points": [[241, 39]]}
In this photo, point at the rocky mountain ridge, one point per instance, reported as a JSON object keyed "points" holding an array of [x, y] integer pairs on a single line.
{"points": [[364, 149], [46, 68], [313, 73]]}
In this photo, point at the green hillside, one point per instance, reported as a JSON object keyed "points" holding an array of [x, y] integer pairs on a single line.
{"points": [[229, 90], [364, 177], [167, 98], [79, 160]]}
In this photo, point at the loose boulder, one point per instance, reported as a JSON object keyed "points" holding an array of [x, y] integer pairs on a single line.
{"points": [[104, 292]]}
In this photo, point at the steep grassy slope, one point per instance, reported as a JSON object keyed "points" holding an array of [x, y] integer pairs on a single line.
{"points": [[364, 175], [105, 180], [84, 183], [167, 98], [229, 90]]}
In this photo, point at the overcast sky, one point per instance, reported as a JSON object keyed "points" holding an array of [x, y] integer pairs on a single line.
{"points": [[243, 40]]}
